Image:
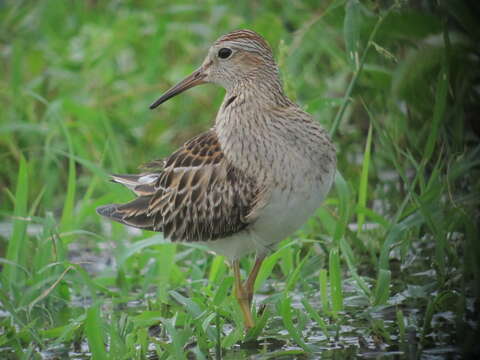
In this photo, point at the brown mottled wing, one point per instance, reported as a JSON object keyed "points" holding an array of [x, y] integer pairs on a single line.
{"points": [[197, 196]]}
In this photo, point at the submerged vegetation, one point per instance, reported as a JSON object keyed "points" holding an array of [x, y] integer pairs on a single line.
{"points": [[390, 265]]}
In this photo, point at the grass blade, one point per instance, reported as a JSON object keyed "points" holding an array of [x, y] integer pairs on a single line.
{"points": [[178, 341], [315, 316], [382, 288], [438, 110], [343, 193], [267, 268], [217, 269], [351, 31], [94, 333], [335, 281], [294, 277], [67, 219], [165, 257], [286, 312], [347, 253], [357, 72], [401, 325], [323, 280], [363, 186], [17, 242], [192, 307]]}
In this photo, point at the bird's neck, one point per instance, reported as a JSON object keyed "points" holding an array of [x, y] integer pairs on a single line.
{"points": [[247, 125], [261, 89]]}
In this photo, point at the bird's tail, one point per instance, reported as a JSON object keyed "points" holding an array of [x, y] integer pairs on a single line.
{"points": [[133, 213]]}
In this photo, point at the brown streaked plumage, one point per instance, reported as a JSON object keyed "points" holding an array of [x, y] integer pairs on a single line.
{"points": [[247, 183], [196, 196]]}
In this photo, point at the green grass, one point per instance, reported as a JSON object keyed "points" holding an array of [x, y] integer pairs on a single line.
{"points": [[389, 263]]}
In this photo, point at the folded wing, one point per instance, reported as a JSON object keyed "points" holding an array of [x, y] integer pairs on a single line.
{"points": [[197, 196]]}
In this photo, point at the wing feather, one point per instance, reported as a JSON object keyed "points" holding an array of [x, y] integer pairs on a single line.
{"points": [[194, 195]]}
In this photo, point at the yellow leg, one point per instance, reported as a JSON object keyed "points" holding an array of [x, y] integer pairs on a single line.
{"points": [[242, 297], [250, 283]]}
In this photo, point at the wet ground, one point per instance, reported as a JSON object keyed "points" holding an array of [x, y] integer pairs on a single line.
{"points": [[361, 331]]}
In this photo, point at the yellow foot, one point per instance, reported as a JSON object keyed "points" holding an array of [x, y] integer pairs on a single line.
{"points": [[243, 297]]}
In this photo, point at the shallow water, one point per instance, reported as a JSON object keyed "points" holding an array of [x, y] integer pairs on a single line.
{"points": [[354, 337]]}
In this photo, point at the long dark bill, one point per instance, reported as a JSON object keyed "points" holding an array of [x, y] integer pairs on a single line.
{"points": [[194, 79]]}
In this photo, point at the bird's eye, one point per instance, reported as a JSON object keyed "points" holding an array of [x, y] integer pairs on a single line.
{"points": [[224, 53]]}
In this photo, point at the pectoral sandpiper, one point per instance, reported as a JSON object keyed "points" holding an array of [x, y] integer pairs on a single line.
{"points": [[248, 182]]}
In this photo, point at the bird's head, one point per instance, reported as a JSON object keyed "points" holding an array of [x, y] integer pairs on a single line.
{"points": [[233, 58]]}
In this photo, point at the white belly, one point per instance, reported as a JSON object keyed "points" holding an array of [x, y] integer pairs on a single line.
{"points": [[285, 213]]}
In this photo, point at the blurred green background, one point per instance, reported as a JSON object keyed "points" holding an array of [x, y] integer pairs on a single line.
{"points": [[390, 263]]}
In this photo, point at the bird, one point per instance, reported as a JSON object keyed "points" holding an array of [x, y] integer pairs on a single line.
{"points": [[249, 181]]}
